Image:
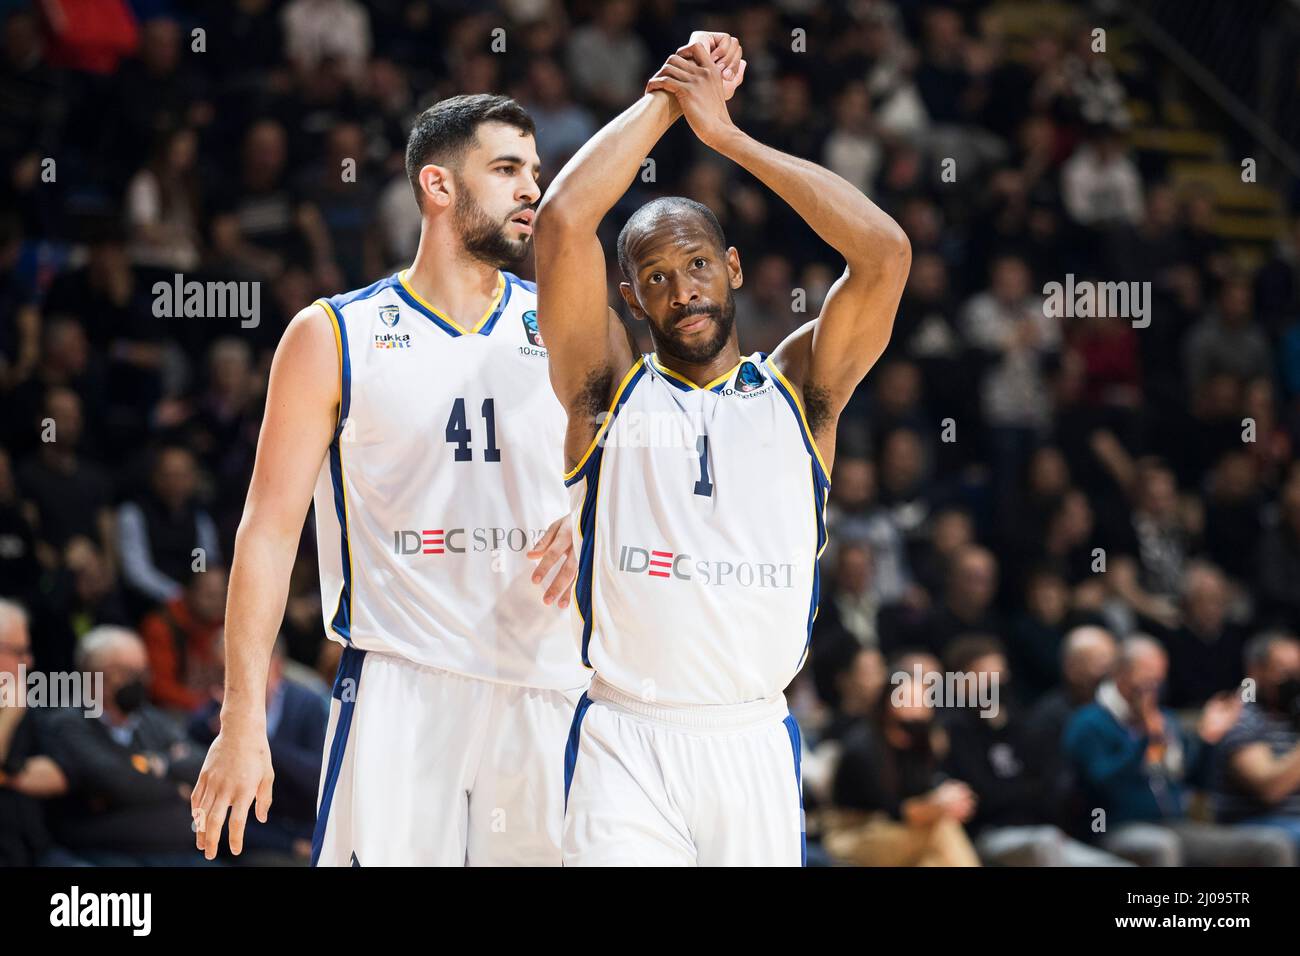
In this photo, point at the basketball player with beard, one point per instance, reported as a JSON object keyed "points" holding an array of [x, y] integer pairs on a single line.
{"points": [[416, 414], [697, 579]]}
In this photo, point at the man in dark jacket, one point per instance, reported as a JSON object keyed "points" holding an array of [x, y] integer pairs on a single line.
{"points": [[130, 771], [990, 748]]}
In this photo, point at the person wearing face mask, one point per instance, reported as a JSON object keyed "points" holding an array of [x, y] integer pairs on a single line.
{"points": [[1257, 778], [130, 770], [893, 804]]}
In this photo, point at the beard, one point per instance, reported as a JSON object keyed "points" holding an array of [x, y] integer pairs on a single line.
{"points": [[669, 342], [485, 239]]}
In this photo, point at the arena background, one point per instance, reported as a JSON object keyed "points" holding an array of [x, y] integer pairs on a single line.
{"points": [[1004, 475]]}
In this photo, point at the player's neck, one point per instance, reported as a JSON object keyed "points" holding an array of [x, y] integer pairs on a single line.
{"points": [[703, 373], [457, 284]]}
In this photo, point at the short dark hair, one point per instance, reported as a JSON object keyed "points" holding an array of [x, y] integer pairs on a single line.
{"points": [[662, 208], [443, 132]]}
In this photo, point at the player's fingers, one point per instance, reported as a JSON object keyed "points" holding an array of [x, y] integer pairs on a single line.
{"points": [[238, 819], [548, 561], [562, 582], [264, 797], [540, 548], [215, 820], [676, 71], [200, 814], [730, 59]]}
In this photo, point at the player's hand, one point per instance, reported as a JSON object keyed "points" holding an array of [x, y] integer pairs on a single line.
{"points": [[236, 772], [556, 547], [723, 49], [696, 81]]}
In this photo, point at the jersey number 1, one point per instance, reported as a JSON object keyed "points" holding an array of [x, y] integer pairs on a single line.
{"points": [[703, 487], [458, 432]]}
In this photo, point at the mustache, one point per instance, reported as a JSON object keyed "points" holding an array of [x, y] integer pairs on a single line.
{"points": [[714, 311]]}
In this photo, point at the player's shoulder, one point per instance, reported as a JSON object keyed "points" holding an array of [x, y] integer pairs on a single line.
{"points": [[347, 302]]}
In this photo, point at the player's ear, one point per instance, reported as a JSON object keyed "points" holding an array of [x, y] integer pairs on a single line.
{"points": [[734, 274], [629, 296], [435, 185]]}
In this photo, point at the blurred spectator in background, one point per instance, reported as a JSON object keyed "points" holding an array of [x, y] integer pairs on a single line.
{"points": [[296, 717], [162, 204], [180, 638], [1008, 326], [130, 771], [71, 496], [28, 777], [1205, 652], [317, 30], [1279, 559], [1100, 185], [902, 810], [1135, 763], [1228, 340], [991, 750], [162, 533], [1088, 656], [607, 60], [1258, 771]]}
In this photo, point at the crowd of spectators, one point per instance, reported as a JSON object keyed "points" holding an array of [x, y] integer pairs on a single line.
{"points": [[1097, 516]]}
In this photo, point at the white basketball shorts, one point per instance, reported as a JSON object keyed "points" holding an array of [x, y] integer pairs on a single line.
{"points": [[649, 785], [424, 767]]}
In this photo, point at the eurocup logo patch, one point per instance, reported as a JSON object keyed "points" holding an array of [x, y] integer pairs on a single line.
{"points": [[530, 328], [389, 314], [748, 378]]}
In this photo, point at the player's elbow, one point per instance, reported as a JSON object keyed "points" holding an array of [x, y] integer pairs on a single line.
{"points": [[556, 219], [882, 251]]}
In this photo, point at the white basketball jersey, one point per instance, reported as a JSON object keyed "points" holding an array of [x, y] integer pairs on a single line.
{"points": [[438, 482], [700, 513]]}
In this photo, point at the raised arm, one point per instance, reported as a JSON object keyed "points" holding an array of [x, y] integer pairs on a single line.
{"points": [[826, 358], [588, 344]]}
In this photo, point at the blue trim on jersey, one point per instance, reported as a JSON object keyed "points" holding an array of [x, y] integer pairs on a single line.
{"points": [[530, 286], [341, 622], [347, 298], [821, 493], [349, 669], [590, 470], [625, 392], [803, 430], [490, 324], [571, 748], [796, 744], [427, 313]]}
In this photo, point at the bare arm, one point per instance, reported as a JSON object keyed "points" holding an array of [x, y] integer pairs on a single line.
{"points": [[828, 357], [1271, 779], [585, 339], [588, 345], [301, 416]]}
